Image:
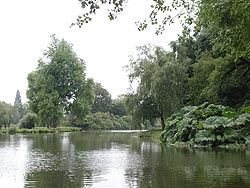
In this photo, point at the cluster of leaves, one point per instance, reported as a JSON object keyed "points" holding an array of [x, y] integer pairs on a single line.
{"points": [[219, 80], [29, 121], [105, 121], [160, 12], [208, 124], [114, 7]]}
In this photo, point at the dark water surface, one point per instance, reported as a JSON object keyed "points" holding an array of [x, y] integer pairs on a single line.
{"points": [[114, 160]]}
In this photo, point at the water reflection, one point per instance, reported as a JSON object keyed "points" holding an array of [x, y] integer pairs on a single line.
{"points": [[114, 159]]}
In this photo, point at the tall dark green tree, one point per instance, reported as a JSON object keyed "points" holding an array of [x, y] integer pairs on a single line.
{"points": [[103, 99], [18, 109], [59, 85], [118, 106]]}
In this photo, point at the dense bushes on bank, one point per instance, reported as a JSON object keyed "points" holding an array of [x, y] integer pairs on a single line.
{"points": [[102, 120], [14, 130], [208, 124], [29, 121]]}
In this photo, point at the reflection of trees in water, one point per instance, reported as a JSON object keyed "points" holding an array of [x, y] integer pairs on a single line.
{"points": [[182, 167], [67, 158], [54, 163], [79, 159]]}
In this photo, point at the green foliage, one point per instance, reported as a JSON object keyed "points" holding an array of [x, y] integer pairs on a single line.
{"points": [[118, 107], [245, 109], [207, 124], [104, 121], [5, 114], [160, 13], [12, 130], [219, 80], [59, 85], [230, 22], [29, 121], [160, 79], [102, 101], [213, 52], [18, 108]]}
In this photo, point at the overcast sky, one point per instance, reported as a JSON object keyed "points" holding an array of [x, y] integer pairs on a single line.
{"points": [[104, 45]]}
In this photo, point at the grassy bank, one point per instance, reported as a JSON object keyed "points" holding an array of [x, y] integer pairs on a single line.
{"points": [[14, 130]]}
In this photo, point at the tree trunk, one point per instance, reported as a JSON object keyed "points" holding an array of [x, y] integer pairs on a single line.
{"points": [[162, 121]]}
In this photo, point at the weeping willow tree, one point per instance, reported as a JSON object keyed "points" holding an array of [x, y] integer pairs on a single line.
{"points": [[160, 84]]}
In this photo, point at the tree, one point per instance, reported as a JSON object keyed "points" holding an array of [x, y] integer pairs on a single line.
{"points": [[18, 111], [168, 89], [160, 80], [199, 86], [118, 106], [59, 85], [103, 99], [5, 114], [230, 22]]}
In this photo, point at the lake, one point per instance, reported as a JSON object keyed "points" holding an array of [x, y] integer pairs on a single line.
{"points": [[116, 159]]}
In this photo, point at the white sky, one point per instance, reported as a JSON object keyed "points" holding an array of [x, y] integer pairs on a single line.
{"points": [[104, 45]]}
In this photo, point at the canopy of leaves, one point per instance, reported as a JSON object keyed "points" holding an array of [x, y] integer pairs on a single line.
{"points": [[118, 107], [102, 101], [160, 80], [59, 85]]}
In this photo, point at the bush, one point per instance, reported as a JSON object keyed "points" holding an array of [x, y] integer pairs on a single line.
{"points": [[208, 124], [12, 130], [28, 121], [102, 120]]}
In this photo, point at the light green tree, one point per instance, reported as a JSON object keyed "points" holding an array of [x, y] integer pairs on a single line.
{"points": [[5, 114], [160, 81], [59, 85]]}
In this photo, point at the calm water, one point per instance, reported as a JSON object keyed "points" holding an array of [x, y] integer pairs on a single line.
{"points": [[115, 159]]}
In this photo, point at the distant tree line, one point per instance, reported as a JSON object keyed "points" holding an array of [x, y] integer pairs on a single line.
{"points": [[12, 114]]}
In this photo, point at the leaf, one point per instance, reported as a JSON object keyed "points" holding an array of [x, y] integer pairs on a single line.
{"points": [[204, 136], [218, 137], [230, 135], [200, 125], [230, 114], [243, 119], [214, 122], [245, 110]]}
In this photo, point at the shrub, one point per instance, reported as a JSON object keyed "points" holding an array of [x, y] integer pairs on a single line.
{"points": [[208, 124], [28, 121], [12, 130]]}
